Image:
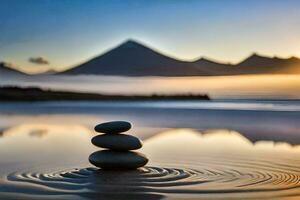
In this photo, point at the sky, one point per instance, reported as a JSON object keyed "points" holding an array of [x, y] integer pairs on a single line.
{"points": [[38, 35]]}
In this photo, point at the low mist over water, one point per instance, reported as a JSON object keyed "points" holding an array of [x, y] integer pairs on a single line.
{"points": [[244, 86]]}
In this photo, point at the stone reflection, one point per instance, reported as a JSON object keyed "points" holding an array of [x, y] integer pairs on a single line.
{"points": [[38, 133], [40, 130], [4, 131]]}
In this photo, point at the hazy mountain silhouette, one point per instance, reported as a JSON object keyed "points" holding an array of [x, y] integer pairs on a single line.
{"points": [[254, 64], [134, 59], [204, 62], [213, 68], [5, 69], [48, 72], [257, 64]]}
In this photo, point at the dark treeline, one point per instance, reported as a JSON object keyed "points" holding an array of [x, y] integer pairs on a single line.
{"points": [[11, 93]]}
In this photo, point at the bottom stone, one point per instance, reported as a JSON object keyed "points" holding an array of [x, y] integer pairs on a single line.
{"points": [[108, 159]]}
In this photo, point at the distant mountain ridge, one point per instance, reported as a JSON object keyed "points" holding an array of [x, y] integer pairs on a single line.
{"points": [[260, 64], [134, 59], [6, 69]]}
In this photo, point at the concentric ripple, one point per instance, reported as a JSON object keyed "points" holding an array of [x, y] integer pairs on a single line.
{"points": [[264, 180]]}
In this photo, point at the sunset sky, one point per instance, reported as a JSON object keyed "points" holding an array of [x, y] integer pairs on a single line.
{"points": [[37, 35]]}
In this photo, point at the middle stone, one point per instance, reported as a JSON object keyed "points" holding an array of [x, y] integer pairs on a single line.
{"points": [[118, 142]]}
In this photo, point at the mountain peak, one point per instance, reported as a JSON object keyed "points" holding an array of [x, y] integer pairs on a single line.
{"points": [[255, 56], [205, 60], [293, 58], [132, 58], [258, 57], [130, 43], [202, 59]]}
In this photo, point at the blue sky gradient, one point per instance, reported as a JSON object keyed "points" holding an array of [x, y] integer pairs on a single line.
{"points": [[68, 32]]}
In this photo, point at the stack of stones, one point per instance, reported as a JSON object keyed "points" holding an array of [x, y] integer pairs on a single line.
{"points": [[118, 154]]}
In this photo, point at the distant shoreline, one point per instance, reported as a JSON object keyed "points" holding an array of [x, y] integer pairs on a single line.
{"points": [[11, 93]]}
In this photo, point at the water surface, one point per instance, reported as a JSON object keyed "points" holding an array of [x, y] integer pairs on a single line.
{"points": [[197, 150]]}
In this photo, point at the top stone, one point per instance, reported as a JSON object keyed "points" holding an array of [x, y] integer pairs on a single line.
{"points": [[113, 127]]}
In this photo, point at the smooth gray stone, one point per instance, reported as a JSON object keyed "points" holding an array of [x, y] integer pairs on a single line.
{"points": [[120, 142], [113, 127], [108, 159]]}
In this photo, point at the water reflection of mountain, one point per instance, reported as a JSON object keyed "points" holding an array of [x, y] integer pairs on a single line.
{"points": [[184, 162], [252, 136], [38, 133], [4, 132], [224, 136]]}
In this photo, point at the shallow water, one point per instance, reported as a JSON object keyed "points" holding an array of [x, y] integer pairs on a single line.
{"points": [[218, 150]]}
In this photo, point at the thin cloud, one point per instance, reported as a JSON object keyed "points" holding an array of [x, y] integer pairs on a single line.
{"points": [[39, 60]]}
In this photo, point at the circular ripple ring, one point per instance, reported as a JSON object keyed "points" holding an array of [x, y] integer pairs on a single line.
{"points": [[212, 180]]}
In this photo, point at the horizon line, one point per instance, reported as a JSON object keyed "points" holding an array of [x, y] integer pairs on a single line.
{"points": [[253, 53]]}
